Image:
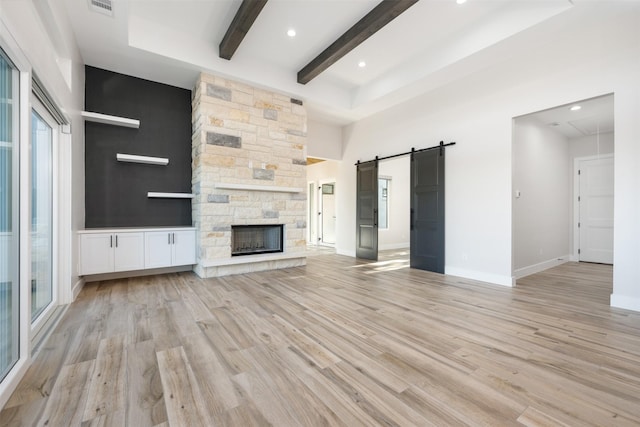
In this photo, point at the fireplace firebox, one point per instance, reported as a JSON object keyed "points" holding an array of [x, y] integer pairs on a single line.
{"points": [[256, 239]]}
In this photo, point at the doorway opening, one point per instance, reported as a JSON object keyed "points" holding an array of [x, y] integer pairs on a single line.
{"points": [[562, 181], [322, 220]]}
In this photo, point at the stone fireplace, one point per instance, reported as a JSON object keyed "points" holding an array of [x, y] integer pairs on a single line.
{"points": [[249, 178]]}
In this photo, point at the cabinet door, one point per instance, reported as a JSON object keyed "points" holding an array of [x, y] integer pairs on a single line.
{"points": [[129, 251], [157, 246], [96, 253], [184, 247]]}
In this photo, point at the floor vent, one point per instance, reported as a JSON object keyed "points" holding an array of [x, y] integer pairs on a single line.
{"points": [[102, 6]]}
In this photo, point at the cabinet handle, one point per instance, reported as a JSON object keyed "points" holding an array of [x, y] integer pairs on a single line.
{"points": [[116, 240], [173, 238], [169, 238], [111, 241]]}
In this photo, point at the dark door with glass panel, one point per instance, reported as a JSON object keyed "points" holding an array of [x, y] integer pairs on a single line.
{"points": [[427, 210], [367, 211]]}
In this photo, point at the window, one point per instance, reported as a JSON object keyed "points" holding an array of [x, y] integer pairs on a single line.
{"points": [[9, 302], [384, 185]]}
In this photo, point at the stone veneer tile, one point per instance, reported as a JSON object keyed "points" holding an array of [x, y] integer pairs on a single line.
{"points": [[264, 174], [270, 214], [299, 162], [295, 132], [246, 135], [218, 92], [270, 114], [214, 138], [218, 198]]}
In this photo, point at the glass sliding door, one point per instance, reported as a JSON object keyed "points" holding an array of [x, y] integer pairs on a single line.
{"points": [[41, 153], [9, 205]]}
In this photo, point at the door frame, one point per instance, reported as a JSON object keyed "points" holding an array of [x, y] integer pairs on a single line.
{"points": [[312, 198], [19, 60], [43, 318], [576, 193]]}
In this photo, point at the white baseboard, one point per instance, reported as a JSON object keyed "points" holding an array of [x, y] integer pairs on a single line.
{"points": [[541, 266], [393, 246], [626, 302], [495, 279], [351, 253], [75, 291]]}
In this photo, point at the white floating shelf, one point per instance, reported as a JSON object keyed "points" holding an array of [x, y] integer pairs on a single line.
{"points": [[132, 158], [110, 120], [249, 187], [153, 195]]}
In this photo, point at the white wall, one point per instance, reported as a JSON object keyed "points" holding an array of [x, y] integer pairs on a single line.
{"points": [[587, 52], [324, 140], [541, 214], [397, 235]]}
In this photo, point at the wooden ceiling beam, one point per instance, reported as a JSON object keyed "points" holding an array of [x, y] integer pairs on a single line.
{"points": [[385, 12], [242, 22]]}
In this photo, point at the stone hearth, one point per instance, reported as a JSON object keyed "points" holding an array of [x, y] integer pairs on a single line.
{"points": [[248, 150]]}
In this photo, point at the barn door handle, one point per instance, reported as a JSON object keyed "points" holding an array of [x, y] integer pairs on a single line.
{"points": [[411, 220]]}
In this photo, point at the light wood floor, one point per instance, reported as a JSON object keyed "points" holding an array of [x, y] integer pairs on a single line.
{"points": [[339, 343]]}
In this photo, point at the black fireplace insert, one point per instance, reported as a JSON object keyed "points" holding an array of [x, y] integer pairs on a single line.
{"points": [[256, 239]]}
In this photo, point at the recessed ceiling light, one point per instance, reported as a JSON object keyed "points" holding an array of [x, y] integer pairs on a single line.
{"points": [[362, 64], [291, 32], [575, 108], [461, 1]]}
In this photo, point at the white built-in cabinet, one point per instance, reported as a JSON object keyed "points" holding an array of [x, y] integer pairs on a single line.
{"points": [[169, 248], [115, 250]]}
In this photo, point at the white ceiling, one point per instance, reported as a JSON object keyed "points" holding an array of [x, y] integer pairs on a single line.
{"points": [[171, 41], [594, 117]]}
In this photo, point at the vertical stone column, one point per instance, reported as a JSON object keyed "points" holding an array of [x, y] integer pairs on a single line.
{"points": [[247, 137]]}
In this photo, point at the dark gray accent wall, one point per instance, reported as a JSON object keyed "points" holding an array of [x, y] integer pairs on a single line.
{"points": [[116, 192]]}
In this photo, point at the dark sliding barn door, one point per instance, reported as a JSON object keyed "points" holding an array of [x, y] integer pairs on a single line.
{"points": [[427, 210], [367, 211]]}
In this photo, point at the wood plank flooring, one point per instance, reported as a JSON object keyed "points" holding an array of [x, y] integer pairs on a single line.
{"points": [[339, 342]]}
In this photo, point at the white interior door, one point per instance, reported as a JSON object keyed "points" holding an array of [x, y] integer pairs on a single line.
{"points": [[595, 181], [328, 213]]}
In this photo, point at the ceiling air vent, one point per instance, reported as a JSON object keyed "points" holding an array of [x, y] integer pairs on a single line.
{"points": [[102, 6]]}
